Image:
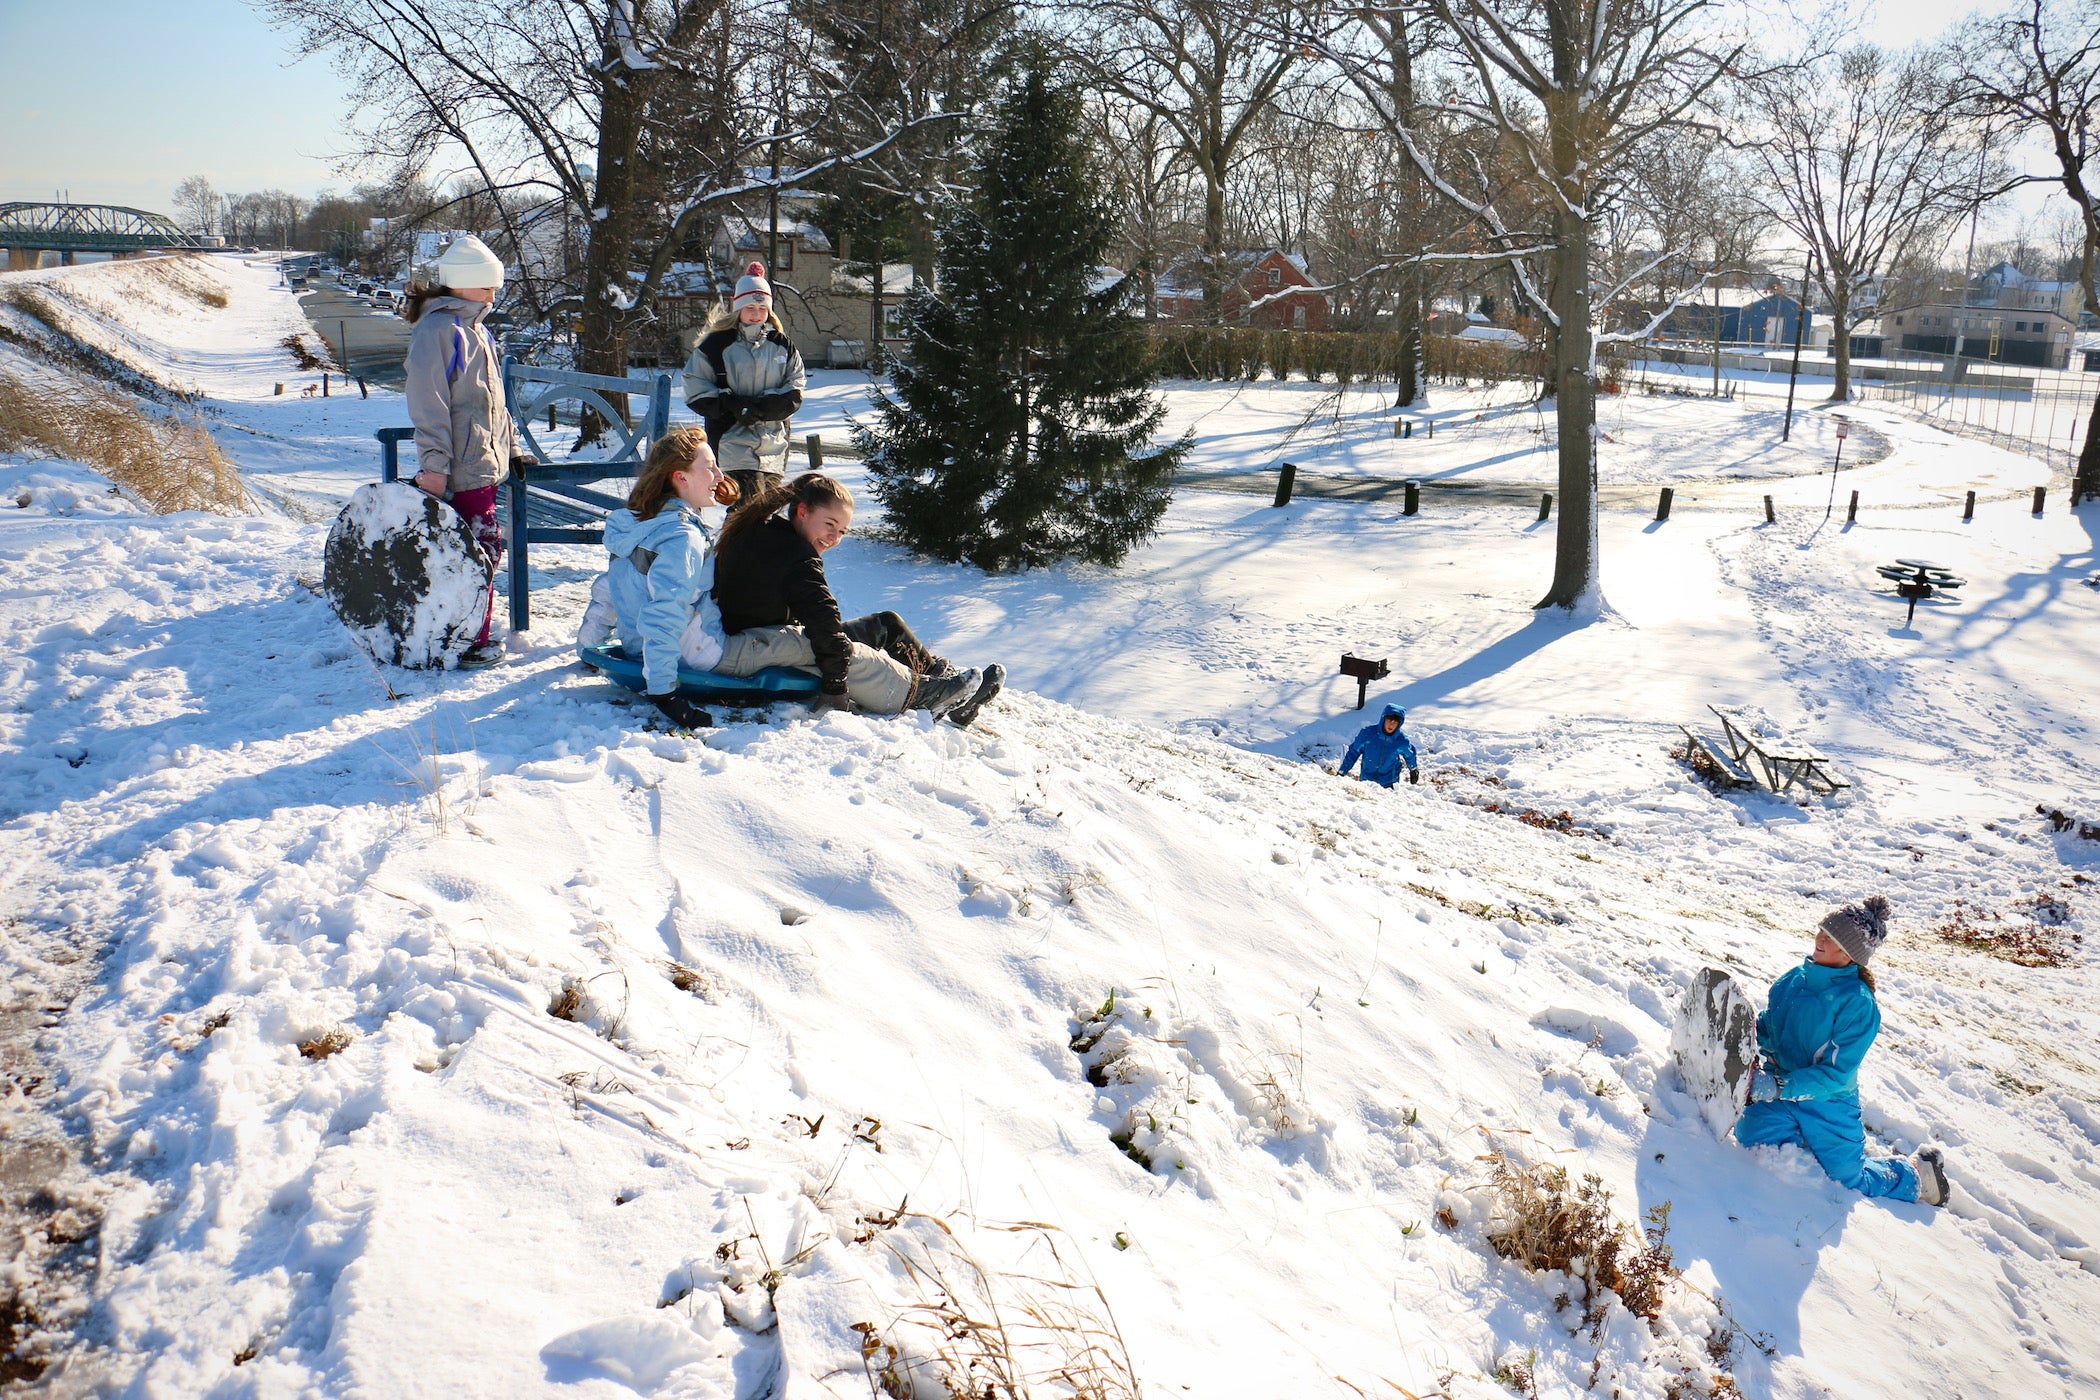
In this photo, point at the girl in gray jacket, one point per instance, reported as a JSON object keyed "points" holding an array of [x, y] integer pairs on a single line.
{"points": [[745, 380], [464, 437]]}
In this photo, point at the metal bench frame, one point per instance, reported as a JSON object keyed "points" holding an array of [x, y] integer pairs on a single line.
{"points": [[1781, 764], [529, 389]]}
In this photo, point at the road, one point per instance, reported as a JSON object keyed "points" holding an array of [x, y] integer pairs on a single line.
{"points": [[375, 341]]}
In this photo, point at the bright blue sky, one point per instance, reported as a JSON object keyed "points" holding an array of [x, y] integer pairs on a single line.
{"points": [[118, 100]]}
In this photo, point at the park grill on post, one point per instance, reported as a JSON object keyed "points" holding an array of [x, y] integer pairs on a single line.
{"points": [[1364, 671]]}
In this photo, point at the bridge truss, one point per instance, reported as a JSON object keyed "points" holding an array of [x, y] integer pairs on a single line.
{"points": [[89, 228]]}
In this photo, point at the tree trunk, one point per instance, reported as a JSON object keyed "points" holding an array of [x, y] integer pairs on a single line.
{"points": [[874, 355], [1575, 411], [606, 255], [1214, 247], [1841, 339], [1407, 321], [2087, 480]]}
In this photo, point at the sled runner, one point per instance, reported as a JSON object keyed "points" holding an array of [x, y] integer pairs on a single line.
{"points": [[758, 688], [1715, 1043], [403, 571]]}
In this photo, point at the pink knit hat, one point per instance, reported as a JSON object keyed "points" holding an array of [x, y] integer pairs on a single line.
{"points": [[753, 289]]}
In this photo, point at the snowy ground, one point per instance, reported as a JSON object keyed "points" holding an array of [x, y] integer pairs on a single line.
{"points": [[828, 976]]}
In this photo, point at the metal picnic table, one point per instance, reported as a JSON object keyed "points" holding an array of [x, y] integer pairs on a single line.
{"points": [[1779, 763]]}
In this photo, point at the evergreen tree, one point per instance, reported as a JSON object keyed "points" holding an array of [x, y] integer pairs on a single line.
{"points": [[1015, 431]]}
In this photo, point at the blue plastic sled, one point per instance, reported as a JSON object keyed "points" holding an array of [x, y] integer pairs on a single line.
{"points": [[758, 688]]}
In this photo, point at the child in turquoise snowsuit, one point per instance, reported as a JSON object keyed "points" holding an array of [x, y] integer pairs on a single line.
{"points": [[1816, 1029], [1383, 748]]}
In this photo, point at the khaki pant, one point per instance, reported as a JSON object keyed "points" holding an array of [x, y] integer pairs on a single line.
{"points": [[876, 683]]}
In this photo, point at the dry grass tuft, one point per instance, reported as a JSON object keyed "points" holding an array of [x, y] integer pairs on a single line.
{"points": [[1543, 1221], [983, 1332], [169, 464], [332, 1041], [569, 1003], [2041, 938], [301, 356]]}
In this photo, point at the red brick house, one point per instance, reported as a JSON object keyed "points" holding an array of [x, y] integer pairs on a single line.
{"points": [[1256, 293]]}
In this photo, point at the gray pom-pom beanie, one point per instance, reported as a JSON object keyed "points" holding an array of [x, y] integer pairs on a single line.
{"points": [[1859, 928]]}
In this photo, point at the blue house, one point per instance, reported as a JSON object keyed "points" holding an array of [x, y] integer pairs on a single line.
{"points": [[1767, 321]]}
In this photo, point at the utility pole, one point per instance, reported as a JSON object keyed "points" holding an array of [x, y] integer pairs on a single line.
{"points": [[1717, 313], [1800, 326]]}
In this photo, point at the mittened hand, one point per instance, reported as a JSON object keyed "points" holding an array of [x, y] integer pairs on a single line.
{"points": [[1414, 776], [682, 712], [842, 702], [1763, 1087]]}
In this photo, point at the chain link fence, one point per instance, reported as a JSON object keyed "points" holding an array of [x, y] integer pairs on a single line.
{"points": [[2039, 412]]}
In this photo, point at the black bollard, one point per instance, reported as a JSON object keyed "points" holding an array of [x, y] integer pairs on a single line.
{"points": [[1546, 506], [2041, 493], [1410, 431], [324, 383], [1771, 516], [1968, 511], [1852, 511], [1412, 500], [814, 446], [1285, 480], [1662, 505]]}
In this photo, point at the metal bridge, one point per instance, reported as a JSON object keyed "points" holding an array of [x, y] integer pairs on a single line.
{"points": [[27, 230]]}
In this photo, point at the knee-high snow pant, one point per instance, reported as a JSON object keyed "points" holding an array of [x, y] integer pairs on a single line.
{"points": [[877, 684], [478, 508], [1830, 1129], [887, 633]]}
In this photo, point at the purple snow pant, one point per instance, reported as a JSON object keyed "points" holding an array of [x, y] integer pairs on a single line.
{"points": [[478, 508], [1830, 1129]]}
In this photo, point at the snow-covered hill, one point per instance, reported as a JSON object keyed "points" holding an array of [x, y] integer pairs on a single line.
{"points": [[467, 1034]]}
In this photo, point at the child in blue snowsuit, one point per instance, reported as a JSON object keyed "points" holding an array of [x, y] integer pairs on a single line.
{"points": [[1811, 1038], [1382, 747]]}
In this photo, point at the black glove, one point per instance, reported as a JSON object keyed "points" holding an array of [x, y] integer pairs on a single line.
{"points": [[1414, 775], [841, 702], [682, 712]]}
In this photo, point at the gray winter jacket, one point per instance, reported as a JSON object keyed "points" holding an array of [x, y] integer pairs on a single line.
{"points": [[455, 396], [745, 387]]}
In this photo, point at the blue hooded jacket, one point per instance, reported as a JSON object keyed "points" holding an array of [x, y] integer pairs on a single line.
{"points": [[1816, 1029], [667, 612], [1382, 753]]}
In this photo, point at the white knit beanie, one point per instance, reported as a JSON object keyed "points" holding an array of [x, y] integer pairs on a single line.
{"points": [[753, 289], [469, 263]]}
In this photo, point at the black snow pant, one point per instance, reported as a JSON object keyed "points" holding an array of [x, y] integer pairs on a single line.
{"points": [[886, 632]]}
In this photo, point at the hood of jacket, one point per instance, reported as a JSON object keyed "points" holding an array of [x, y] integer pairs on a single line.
{"points": [[469, 312], [624, 533], [1392, 712]]}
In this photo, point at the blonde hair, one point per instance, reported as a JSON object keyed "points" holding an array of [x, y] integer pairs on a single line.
{"points": [[675, 451]]}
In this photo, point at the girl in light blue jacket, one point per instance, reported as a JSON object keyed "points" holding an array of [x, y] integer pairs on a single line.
{"points": [[657, 590]]}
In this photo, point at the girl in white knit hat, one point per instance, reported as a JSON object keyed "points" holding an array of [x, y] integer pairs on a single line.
{"points": [[745, 380], [464, 436]]}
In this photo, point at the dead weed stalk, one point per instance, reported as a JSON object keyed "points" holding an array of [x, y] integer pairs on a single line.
{"points": [[990, 1332]]}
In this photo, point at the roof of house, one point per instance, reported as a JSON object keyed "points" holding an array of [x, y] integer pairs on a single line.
{"points": [[1184, 277], [751, 235]]}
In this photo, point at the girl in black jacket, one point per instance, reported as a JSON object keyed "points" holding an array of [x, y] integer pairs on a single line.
{"points": [[777, 610]]}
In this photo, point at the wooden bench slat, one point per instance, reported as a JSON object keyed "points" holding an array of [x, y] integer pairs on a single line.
{"points": [[1731, 770]]}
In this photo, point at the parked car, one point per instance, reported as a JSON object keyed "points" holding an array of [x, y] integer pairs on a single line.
{"points": [[383, 296]]}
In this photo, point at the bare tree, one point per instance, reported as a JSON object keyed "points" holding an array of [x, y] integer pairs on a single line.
{"points": [[1858, 159], [1208, 69], [1566, 94], [2036, 69], [198, 205]]}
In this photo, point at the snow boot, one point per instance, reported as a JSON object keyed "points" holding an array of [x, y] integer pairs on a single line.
{"points": [[482, 654], [940, 694], [994, 677], [1932, 1176]]}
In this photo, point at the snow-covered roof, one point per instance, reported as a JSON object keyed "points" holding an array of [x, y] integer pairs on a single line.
{"points": [[1184, 277], [747, 235]]}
